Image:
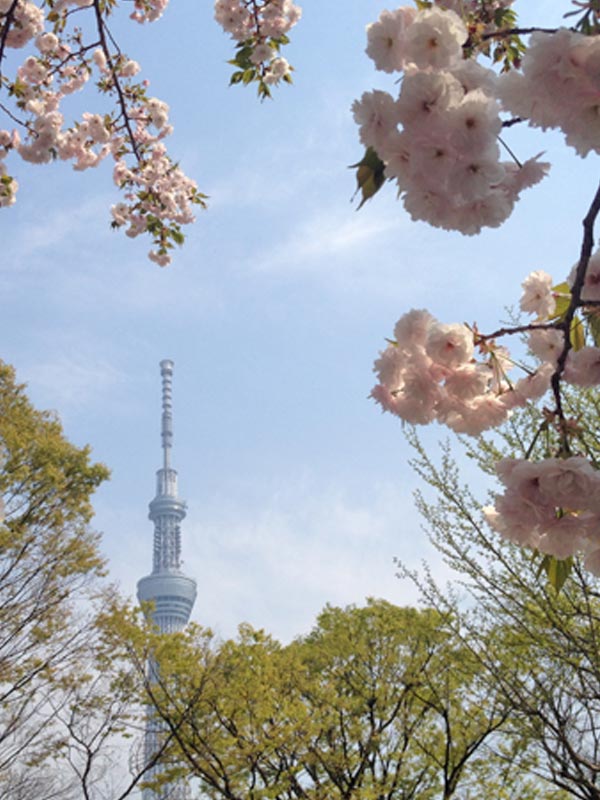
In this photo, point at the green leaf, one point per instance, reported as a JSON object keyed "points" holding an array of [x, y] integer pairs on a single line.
{"points": [[562, 298], [577, 334], [557, 570], [593, 322], [177, 237], [369, 175]]}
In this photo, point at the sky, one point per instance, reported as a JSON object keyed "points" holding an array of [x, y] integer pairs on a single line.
{"points": [[299, 491]]}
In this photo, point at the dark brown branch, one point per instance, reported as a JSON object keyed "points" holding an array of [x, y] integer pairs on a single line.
{"points": [[576, 290], [503, 33], [72, 56], [12, 116], [508, 123], [7, 21], [102, 33], [532, 326]]}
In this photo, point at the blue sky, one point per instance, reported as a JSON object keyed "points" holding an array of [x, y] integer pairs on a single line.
{"points": [[299, 490]]}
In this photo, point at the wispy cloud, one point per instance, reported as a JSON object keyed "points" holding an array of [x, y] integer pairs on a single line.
{"points": [[324, 235], [278, 566], [57, 228], [72, 382]]}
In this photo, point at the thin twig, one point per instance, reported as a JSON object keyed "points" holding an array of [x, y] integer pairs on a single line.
{"points": [[532, 326], [503, 33]]}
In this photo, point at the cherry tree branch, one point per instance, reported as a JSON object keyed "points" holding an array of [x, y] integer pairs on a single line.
{"points": [[122, 100], [576, 290], [12, 116], [72, 56], [532, 326], [506, 32], [508, 123], [8, 18]]}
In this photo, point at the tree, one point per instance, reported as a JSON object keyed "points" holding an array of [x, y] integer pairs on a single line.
{"points": [[48, 556], [538, 647], [376, 702], [63, 707], [399, 706]]}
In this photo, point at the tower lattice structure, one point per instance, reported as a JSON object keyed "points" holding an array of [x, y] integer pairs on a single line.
{"points": [[168, 592]]}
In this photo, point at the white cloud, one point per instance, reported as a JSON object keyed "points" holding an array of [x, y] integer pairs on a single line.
{"points": [[277, 567], [67, 382], [329, 234], [59, 226]]}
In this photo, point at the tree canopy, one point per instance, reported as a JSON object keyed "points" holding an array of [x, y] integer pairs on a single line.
{"points": [[49, 561], [375, 702]]}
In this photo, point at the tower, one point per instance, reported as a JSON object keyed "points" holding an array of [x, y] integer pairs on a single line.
{"points": [[170, 592]]}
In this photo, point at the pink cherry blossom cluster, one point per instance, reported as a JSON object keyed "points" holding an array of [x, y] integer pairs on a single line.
{"points": [[158, 196], [445, 158], [264, 19], [546, 343], [438, 140], [8, 185], [475, 7], [582, 364], [430, 372], [22, 21], [559, 87], [260, 26], [552, 506], [148, 10]]}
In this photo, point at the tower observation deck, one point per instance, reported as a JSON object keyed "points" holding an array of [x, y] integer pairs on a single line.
{"points": [[169, 593]]}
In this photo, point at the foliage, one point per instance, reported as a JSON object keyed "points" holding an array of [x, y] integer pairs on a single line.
{"points": [[63, 707], [537, 647], [48, 553], [376, 702]]}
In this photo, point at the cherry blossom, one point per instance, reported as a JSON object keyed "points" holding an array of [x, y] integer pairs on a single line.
{"points": [[538, 297], [438, 139], [66, 53], [551, 505], [260, 28], [386, 43], [558, 87], [158, 197]]}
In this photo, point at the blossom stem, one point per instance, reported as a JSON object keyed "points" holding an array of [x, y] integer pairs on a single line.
{"points": [[510, 152]]}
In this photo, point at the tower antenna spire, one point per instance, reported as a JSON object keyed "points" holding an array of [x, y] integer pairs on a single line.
{"points": [[166, 372]]}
